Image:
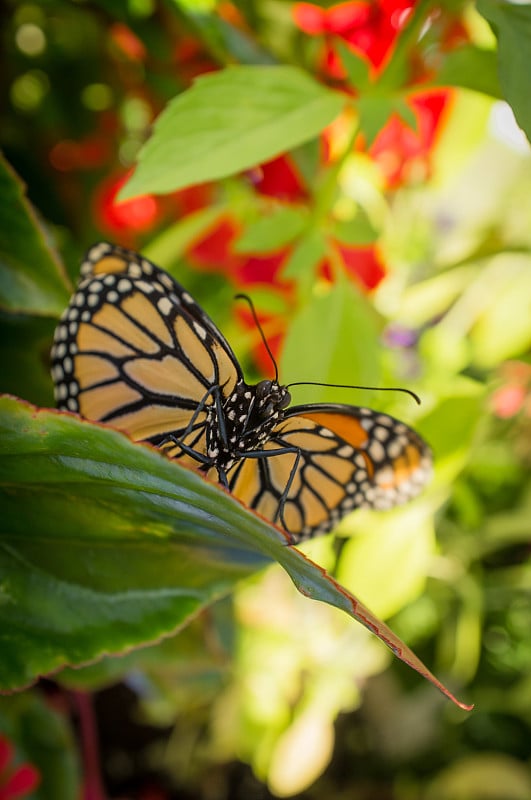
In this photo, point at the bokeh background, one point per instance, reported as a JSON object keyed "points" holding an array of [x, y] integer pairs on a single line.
{"points": [[268, 693]]}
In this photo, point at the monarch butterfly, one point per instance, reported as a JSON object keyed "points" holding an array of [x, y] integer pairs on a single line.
{"points": [[134, 350]]}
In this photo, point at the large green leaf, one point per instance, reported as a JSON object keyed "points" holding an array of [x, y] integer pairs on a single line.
{"points": [[31, 278], [229, 121], [106, 545], [511, 23], [340, 335], [470, 67]]}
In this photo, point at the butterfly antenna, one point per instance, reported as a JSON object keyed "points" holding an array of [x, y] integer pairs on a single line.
{"points": [[415, 397], [261, 332]]}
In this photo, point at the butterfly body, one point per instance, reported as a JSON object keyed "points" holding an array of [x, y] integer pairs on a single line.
{"points": [[238, 427], [135, 351]]}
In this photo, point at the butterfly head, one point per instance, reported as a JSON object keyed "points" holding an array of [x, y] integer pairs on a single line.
{"points": [[271, 397]]}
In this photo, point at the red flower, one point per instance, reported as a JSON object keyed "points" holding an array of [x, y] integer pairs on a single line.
{"points": [[133, 216], [87, 154], [363, 264], [127, 42], [15, 782], [371, 29], [403, 153], [515, 393], [274, 329], [279, 178], [214, 251]]}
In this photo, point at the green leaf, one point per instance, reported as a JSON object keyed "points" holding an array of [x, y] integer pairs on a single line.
{"points": [[307, 254], [105, 545], [376, 109], [273, 231], [229, 121], [511, 23], [471, 67], [31, 277], [333, 339], [356, 231], [357, 67], [405, 112]]}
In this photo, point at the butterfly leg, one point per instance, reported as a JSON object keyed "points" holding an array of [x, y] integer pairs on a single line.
{"points": [[266, 454], [179, 441]]}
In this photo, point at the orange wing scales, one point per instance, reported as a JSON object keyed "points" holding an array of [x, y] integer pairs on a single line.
{"points": [[133, 349], [348, 458]]}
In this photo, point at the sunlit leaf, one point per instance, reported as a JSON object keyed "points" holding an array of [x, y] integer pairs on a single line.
{"points": [[229, 121]]}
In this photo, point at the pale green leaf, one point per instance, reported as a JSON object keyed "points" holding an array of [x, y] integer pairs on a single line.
{"points": [[229, 121]]}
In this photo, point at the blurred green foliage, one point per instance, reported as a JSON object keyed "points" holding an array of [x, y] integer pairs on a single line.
{"points": [[290, 687]]}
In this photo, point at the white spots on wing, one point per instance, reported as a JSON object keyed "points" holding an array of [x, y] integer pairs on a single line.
{"points": [[124, 286], [164, 306], [144, 287], [134, 270], [167, 281], [201, 332], [376, 450], [347, 451]]}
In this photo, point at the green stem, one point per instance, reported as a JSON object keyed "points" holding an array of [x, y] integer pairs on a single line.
{"points": [[326, 193]]}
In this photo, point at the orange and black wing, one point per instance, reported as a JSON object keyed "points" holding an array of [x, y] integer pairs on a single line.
{"points": [[134, 350], [323, 461]]}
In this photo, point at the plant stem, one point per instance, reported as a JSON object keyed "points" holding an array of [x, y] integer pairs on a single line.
{"points": [[93, 784]]}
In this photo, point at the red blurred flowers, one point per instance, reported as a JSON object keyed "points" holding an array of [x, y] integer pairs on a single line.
{"points": [[514, 395], [369, 28], [15, 781], [403, 153], [372, 30], [134, 216]]}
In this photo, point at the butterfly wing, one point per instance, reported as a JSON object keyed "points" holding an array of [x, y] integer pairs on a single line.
{"points": [[323, 461], [133, 349]]}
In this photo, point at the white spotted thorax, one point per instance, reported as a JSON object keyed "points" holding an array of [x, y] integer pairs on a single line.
{"points": [[134, 350]]}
